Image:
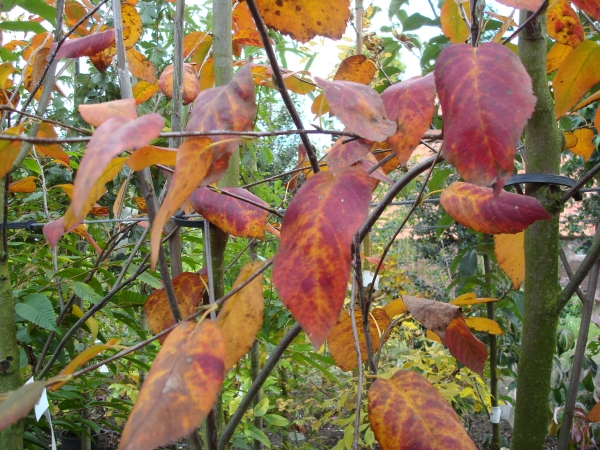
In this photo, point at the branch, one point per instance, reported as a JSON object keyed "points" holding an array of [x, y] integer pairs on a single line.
{"points": [[531, 18], [582, 181], [569, 271]]}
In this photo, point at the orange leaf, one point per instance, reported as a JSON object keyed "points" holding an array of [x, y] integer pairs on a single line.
{"points": [[464, 346], [327, 19], [81, 230], [579, 72], [9, 150], [591, 7], [140, 67], [85, 46], [98, 113], [433, 337], [484, 325], [585, 143], [132, 25], [594, 414], [411, 105], [313, 262], [407, 412], [233, 216], [247, 37], [434, 315], [359, 107], [20, 402], [46, 130], [180, 388], [111, 138], [510, 254], [151, 155], [144, 91], [452, 23], [588, 101], [395, 308], [141, 204], [570, 140], [34, 71], [25, 185], [75, 11], [189, 289], [67, 189], [478, 208], [81, 359], [470, 298], [341, 338], [190, 88], [481, 142], [597, 119], [102, 60], [242, 315], [194, 42], [207, 74], [563, 24], [241, 17]]}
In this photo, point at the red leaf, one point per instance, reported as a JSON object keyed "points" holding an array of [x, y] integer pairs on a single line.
{"points": [[85, 46], [531, 5], [359, 107], [411, 104], [345, 155], [313, 262], [591, 7], [54, 230], [486, 98], [234, 216], [478, 208], [464, 346]]}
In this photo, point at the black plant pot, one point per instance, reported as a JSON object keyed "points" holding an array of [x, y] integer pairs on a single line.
{"points": [[71, 441]]}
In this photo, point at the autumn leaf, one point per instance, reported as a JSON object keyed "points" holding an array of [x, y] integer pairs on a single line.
{"points": [[484, 325], [432, 314], [433, 337], [481, 141], [597, 119], [75, 11], [242, 315], [20, 402], [531, 5], [563, 24], [587, 101], [345, 154], [312, 265], [190, 87], [242, 18], [510, 254], [98, 113], [132, 25], [85, 46], [9, 150], [103, 59], [25, 185], [54, 151], [207, 74], [318, 18], [591, 7], [407, 412], [359, 107], [410, 104], [395, 308], [247, 37], [570, 140], [464, 346], [54, 230], [593, 415], [585, 143], [180, 388], [294, 81], [341, 337], [91, 323], [471, 299], [452, 24], [150, 155], [188, 288], [140, 67], [232, 215], [579, 72], [144, 91], [479, 208]]}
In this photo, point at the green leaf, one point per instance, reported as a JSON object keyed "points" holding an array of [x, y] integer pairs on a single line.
{"points": [[22, 26], [262, 407], [438, 179], [7, 5], [416, 21], [37, 309], [305, 360], [39, 8], [8, 55], [445, 222], [276, 420], [257, 434], [85, 292], [395, 7], [145, 277]]}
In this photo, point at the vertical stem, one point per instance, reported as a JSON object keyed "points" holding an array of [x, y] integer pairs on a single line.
{"points": [[254, 371], [582, 338], [542, 155], [358, 23]]}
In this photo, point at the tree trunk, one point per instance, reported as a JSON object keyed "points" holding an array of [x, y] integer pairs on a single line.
{"points": [[11, 438], [542, 155]]}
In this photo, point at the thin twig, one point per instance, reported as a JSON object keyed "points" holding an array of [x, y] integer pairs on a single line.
{"points": [[356, 288], [580, 183], [530, 19], [567, 266]]}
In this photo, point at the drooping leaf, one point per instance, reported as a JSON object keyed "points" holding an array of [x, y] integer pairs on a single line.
{"points": [[91, 323], [24, 185], [591, 7], [189, 289], [190, 87], [150, 155], [587, 101], [478, 208], [85, 46], [578, 73], [464, 346], [510, 254], [140, 67], [180, 388], [144, 91], [20, 402], [411, 105], [341, 338], [103, 59], [111, 138], [585, 143], [432, 314], [98, 113], [452, 24], [359, 107], [407, 412], [81, 230], [81, 359], [480, 141], [563, 24], [234, 216], [483, 324], [242, 316], [312, 265], [37, 309], [318, 18]]}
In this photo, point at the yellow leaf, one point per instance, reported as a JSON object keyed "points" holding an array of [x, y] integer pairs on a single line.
{"points": [[91, 323], [570, 140], [431, 335], [453, 25], [395, 308], [25, 185], [588, 101], [510, 254], [563, 24], [470, 299], [585, 145], [483, 324], [556, 56]]}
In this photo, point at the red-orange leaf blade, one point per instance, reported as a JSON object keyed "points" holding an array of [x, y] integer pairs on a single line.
{"points": [[464, 346]]}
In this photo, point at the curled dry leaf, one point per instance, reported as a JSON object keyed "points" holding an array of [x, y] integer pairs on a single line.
{"points": [[312, 265], [327, 19], [563, 24], [190, 88], [189, 288], [481, 142], [232, 215], [434, 315], [407, 412], [242, 315], [341, 338], [478, 208], [510, 254], [464, 346], [180, 388], [359, 107], [98, 113]]}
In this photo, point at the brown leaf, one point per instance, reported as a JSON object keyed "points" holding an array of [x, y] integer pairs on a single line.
{"points": [[242, 315], [434, 315], [180, 388]]}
